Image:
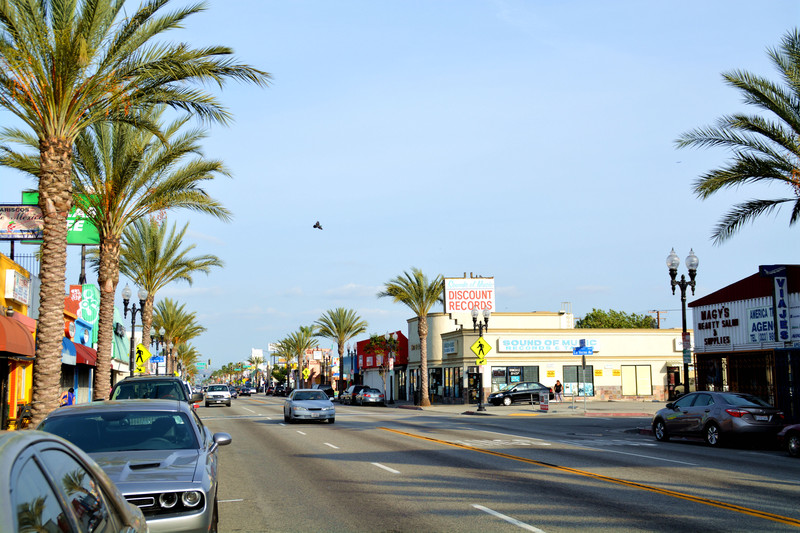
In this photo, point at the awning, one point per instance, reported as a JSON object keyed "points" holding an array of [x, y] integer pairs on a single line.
{"points": [[85, 355], [15, 339], [68, 353]]}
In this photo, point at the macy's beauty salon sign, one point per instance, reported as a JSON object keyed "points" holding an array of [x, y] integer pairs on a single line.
{"points": [[519, 344]]}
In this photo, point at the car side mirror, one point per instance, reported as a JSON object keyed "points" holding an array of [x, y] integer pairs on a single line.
{"points": [[220, 439], [197, 397], [670, 406]]}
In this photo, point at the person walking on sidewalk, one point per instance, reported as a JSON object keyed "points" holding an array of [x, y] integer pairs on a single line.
{"points": [[557, 390]]}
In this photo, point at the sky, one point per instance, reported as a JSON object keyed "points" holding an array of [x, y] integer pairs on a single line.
{"points": [[530, 141]]}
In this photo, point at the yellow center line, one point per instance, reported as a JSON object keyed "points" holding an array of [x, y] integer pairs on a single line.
{"points": [[683, 496]]}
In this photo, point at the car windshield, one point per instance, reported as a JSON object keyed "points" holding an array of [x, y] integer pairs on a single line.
{"points": [[124, 431], [744, 400], [217, 388], [150, 389], [310, 395]]}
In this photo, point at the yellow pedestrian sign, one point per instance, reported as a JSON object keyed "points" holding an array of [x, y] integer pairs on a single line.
{"points": [[306, 373], [481, 348], [142, 356]]}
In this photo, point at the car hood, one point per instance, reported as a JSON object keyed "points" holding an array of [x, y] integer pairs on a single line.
{"points": [[148, 466], [312, 404]]}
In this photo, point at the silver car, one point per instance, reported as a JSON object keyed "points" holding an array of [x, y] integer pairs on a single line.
{"points": [[717, 417], [158, 452], [308, 404], [50, 484]]}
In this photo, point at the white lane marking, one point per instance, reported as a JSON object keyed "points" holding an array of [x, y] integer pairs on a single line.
{"points": [[331, 445], [392, 470], [228, 501], [508, 519], [301, 432], [248, 410]]}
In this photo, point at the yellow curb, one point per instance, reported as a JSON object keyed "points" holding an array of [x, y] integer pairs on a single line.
{"points": [[524, 414]]}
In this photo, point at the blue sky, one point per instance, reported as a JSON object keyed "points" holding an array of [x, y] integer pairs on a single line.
{"points": [[531, 141]]}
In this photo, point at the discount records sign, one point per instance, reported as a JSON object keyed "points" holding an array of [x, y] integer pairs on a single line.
{"points": [[464, 294]]}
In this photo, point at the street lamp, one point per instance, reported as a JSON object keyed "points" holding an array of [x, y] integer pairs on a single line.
{"points": [[126, 297], [352, 355], [391, 340], [158, 340], [691, 264], [480, 326]]}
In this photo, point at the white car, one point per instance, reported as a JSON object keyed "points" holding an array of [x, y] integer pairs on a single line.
{"points": [[308, 404], [218, 394]]}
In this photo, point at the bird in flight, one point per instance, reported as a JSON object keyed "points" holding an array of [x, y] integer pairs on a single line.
{"points": [[317, 225]]}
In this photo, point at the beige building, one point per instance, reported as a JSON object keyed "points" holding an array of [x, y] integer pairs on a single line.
{"points": [[538, 346]]}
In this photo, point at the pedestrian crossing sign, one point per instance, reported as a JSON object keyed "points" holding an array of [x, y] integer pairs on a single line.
{"points": [[481, 348], [142, 355]]}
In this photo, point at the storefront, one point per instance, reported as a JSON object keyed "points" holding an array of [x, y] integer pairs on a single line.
{"points": [[383, 364], [748, 337], [17, 352]]}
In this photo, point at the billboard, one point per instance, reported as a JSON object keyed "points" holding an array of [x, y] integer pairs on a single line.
{"points": [[464, 294]]}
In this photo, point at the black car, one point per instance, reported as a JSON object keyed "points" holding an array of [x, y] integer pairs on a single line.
{"points": [[525, 391], [280, 390], [152, 388], [244, 391], [327, 389], [348, 397]]}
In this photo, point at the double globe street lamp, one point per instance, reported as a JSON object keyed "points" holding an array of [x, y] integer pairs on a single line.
{"points": [[391, 342], [692, 262], [126, 297], [480, 326]]}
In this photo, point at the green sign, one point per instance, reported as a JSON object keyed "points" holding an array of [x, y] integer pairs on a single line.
{"points": [[80, 230], [200, 366]]}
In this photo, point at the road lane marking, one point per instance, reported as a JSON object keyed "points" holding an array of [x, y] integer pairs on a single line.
{"points": [[617, 481], [301, 432], [331, 445], [392, 470], [248, 410], [228, 501], [508, 519]]}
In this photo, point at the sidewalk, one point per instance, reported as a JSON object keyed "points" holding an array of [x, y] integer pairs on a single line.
{"points": [[593, 408]]}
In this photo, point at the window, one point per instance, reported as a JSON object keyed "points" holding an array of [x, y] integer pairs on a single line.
{"points": [[578, 381], [35, 502], [636, 380], [703, 400]]}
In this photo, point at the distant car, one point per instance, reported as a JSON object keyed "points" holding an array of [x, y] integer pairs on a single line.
{"points": [[349, 395], [244, 391], [52, 485], [270, 389], [308, 404], [327, 389], [717, 417], [525, 391], [217, 394], [789, 437], [154, 387], [253, 390], [370, 396], [280, 390], [160, 455], [233, 391]]}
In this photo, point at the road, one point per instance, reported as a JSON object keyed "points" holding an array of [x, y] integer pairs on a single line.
{"points": [[386, 469]]}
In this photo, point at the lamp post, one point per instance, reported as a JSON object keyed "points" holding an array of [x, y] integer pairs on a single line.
{"points": [[126, 297], [480, 326], [158, 341], [391, 341], [692, 262], [352, 355]]}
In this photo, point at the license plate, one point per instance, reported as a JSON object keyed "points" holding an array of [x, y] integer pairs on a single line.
{"points": [[762, 418], [314, 415]]}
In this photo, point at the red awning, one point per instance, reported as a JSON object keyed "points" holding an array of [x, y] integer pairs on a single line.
{"points": [[85, 355], [15, 339]]}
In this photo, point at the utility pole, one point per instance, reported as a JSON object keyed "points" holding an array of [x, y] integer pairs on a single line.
{"points": [[658, 316]]}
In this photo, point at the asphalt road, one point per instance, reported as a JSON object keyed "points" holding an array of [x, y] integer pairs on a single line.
{"points": [[384, 469]]}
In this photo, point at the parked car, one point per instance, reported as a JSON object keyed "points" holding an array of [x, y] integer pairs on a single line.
{"points": [[154, 387], [370, 396], [31, 503], [244, 391], [269, 390], [233, 391], [717, 417], [159, 454], [349, 395], [218, 394], [524, 391], [308, 404], [789, 437], [327, 389], [280, 389]]}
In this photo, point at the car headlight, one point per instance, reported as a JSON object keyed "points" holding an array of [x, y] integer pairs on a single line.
{"points": [[299, 408], [168, 500], [192, 498], [331, 408]]}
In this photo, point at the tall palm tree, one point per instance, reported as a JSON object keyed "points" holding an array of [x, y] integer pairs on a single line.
{"points": [[419, 294], [295, 345], [256, 361], [187, 355], [180, 326], [121, 175], [764, 148], [340, 325], [66, 65], [153, 258]]}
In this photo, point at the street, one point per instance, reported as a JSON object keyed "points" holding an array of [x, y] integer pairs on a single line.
{"points": [[388, 469]]}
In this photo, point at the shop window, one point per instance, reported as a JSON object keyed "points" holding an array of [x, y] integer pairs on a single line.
{"points": [[530, 373], [637, 380], [578, 381]]}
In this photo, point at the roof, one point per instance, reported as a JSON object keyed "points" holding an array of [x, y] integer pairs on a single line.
{"points": [[749, 288], [124, 406]]}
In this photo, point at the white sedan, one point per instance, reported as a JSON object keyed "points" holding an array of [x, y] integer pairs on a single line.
{"points": [[308, 404]]}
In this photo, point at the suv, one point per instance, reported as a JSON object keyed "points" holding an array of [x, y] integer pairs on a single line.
{"points": [[152, 387], [218, 394], [327, 389], [349, 396]]}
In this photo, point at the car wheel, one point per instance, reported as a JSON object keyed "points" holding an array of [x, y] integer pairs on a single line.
{"points": [[713, 435], [507, 401], [331, 420], [228, 404], [660, 431], [793, 444], [206, 404], [286, 418]]}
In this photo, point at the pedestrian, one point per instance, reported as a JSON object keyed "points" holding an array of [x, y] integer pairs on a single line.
{"points": [[68, 398], [557, 390]]}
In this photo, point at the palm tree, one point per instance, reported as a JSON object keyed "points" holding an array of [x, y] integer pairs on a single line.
{"points": [[419, 294], [340, 325], [256, 360], [187, 355], [179, 325], [153, 258], [765, 148], [121, 175], [66, 65], [295, 346]]}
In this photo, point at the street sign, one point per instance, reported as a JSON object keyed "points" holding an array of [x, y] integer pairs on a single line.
{"points": [[585, 350], [157, 359], [306, 373], [199, 366], [480, 347], [142, 355]]}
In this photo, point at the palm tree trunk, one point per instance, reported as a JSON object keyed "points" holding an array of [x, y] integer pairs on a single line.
{"points": [[107, 278], [147, 319], [422, 330], [55, 201]]}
